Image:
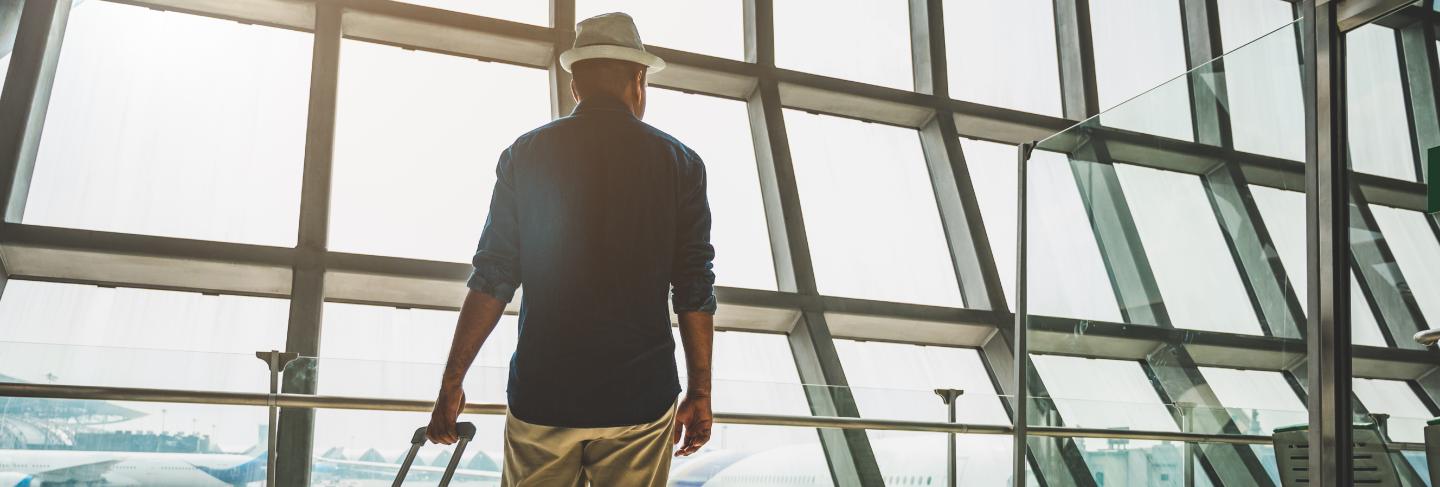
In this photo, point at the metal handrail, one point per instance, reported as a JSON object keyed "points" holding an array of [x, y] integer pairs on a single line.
{"points": [[307, 401]]}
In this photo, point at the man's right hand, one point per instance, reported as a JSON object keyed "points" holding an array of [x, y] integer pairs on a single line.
{"points": [[442, 419]]}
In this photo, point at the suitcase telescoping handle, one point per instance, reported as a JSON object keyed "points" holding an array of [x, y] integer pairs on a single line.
{"points": [[467, 433]]}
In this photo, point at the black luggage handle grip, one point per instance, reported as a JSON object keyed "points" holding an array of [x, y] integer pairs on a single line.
{"points": [[465, 430]]}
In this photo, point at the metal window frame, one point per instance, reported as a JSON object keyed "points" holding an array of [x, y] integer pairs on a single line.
{"points": [[310, 275]]}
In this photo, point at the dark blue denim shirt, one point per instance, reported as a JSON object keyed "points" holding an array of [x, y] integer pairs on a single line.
{"points": [[600, 217]]}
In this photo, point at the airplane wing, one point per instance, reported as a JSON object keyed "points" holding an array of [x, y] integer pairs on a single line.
{"points": [[82, 473], [391, 468]]}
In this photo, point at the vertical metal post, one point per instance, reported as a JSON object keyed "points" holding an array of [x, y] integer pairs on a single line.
{"points": [[1187, 426], [1022, 353], [307, 287], [1328, 243], [949, 396], [275, 362], [274, 418]]}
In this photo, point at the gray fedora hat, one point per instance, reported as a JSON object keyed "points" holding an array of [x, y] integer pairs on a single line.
{"points": [[610, 36]]}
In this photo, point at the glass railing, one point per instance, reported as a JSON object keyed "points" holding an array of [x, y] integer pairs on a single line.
{"points": [[1142, 232], [360, 440]]}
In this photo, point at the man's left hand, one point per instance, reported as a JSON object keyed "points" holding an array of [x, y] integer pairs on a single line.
{"points": [[692, 421]]}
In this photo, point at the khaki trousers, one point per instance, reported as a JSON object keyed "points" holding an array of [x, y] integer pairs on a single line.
{"points": [[622, 456]]}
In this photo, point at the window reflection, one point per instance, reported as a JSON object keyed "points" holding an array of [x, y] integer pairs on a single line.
{"points": [[1415, 244], [175, 125]]}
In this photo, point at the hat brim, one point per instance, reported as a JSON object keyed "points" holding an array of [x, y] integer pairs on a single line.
{"points": [[652, 62]]}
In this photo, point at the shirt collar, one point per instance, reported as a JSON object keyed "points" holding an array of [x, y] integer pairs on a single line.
{"points": [[601, 103]]}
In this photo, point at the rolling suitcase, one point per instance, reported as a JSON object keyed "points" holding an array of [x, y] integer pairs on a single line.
{"points": [[467, 433]]}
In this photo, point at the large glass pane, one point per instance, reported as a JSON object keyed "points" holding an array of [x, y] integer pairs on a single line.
{"points": [[719, 130], [123, 337], [75, 442], [1415, 241], [414, 171], [1003, 54], [714, 28], [365, 447], [1262, 81], [1138, 46], [1259, 401], [1395, 398], [1283, 213], [1067, 276], [177, 125], [896, 381], [376, 351], [531, 12], [1113, 394], [751, 373], [887, 245], [1379, 129], [1187, 252], [861, 40]]}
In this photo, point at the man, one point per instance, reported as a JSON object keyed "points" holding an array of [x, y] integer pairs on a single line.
{"points": [[599, 216]]}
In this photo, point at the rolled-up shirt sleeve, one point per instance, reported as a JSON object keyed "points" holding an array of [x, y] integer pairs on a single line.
{"points": [[692, 278], [497, 257]]}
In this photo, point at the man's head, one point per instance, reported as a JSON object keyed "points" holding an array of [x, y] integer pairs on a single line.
{"points": [[609, 60], [610, 78]]}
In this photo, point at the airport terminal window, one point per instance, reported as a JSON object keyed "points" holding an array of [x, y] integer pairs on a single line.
{"points": [[1138, 46], [751, 373], [1262, 81], [1258, 400], [1116, 394], [1003, 54], [344, 438], [719, 130], [1192, 264], [1407, 413], [1283, 213], [1415, 243], [157, 442], [535, 13], [870, 212], [125, 337], [860, 40], [413, 174], [713, 28], [1375, 104], [176, 125], [1067, 276], [897, 380], [375, 351]]}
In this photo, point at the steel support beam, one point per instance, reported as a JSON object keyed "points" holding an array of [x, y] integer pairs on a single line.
{"points": [[1327, 246], [1382, 278], [307, 289], [1055, 461], [562, 20], [26, 97], [849, 455]]}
